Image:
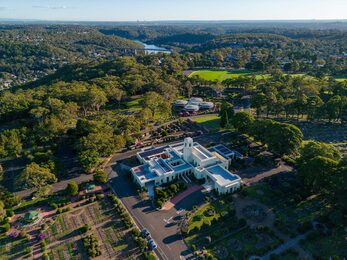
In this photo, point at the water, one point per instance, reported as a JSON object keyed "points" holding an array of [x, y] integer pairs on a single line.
{"points": [[151, 48]]}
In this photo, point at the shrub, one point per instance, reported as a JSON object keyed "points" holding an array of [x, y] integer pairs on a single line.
{"points": [[207, 240], [305, 226], [6, 227], [100, 176], [72, 188], [22, 234], [9, 213], [91, 244], [100, 196], [242, 222], [84, 229], [149, 256], [193, 247]]}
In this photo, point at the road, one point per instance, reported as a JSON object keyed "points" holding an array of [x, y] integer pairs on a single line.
{"points": [[163, 225]]}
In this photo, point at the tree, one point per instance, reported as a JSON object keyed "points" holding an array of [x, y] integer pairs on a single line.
{"points": [[153, 101], [283, 138], [226, 114], [312, 149], [258, 101], [1, 173], [2, 211], [189, 88], [10, 143], [316, 171], [72, 188], [89, 159], [242, 121], [35, 176], [100, 176], [334, 107]]}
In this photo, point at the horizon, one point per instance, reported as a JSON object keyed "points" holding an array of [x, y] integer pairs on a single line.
{"points": [[175, 10]]}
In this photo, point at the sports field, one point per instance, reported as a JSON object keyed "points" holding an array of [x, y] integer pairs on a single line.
{"points": [[341, 79], [220, 75]]}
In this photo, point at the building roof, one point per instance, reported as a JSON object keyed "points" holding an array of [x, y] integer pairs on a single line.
{"points": [[222, 176], [146, 154], [225, 151], [143, 173], [159, 166], [201, 152], [31, 215]]}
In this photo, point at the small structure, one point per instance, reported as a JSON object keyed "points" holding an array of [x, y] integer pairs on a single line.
{"points": [[193, 105], [31, 216], [164, 164], [90, 186]]}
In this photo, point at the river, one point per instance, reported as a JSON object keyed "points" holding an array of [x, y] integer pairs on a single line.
{"points": [[151, 48]]}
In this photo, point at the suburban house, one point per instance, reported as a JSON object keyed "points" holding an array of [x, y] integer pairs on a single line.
{"points": [[164, 164]]}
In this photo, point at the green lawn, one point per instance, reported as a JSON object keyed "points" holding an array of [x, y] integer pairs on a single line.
{"points": [[341, 79], [134, 104], [220, 75], [201, 217], [211, 122]]}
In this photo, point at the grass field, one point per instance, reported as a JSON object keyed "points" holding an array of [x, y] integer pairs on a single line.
{"points": [[341, 79], [220, 75], [134, 103], [211, 122]]}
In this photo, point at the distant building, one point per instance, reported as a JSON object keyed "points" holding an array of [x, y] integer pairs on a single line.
{"points": [[164, 164], [193, 105]]}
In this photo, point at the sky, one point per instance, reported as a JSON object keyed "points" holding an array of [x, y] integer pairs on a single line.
{"points": [[152, 10]]}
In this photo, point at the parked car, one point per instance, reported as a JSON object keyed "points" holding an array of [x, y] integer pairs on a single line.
{"points": [[152, 245], [145, 233]]}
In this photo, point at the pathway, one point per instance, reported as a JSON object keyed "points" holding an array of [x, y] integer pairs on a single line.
{"points": [[285, 246], [268, 221], [172, 202], [281, 168]]}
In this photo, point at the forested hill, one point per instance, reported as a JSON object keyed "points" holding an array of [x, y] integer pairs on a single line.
{"points": [[30, 52], [245, 40], [137, 70]]}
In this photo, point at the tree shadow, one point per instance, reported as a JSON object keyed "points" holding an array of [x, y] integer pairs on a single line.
{"points": [[172, 239]]}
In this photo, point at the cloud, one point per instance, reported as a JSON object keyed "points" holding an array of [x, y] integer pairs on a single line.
{"points": [[59, 7], [4, 9]]}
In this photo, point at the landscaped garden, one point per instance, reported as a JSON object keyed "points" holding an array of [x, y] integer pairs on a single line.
{"points": [[210, 122], [213, 229], [72, 227]]}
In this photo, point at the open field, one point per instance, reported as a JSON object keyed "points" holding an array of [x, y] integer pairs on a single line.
{"points": [[220, 75], [341, 79], [134, 103], [210, 122]]}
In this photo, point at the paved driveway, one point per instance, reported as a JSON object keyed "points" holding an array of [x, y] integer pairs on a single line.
{"points": [[163, 225]]}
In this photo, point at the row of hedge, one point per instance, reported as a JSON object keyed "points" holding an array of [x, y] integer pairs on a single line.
{"points": [[135, 232], [128, 223], [165, 193]]}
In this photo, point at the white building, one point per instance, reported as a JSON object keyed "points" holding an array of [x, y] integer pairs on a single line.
{"points": [[194, 104], [167, 163]]}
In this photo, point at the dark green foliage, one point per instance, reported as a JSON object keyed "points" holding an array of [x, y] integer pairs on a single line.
{"points": [[85, 228], [72, 188], [92, 246], [167, 192], [100, 176]]}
